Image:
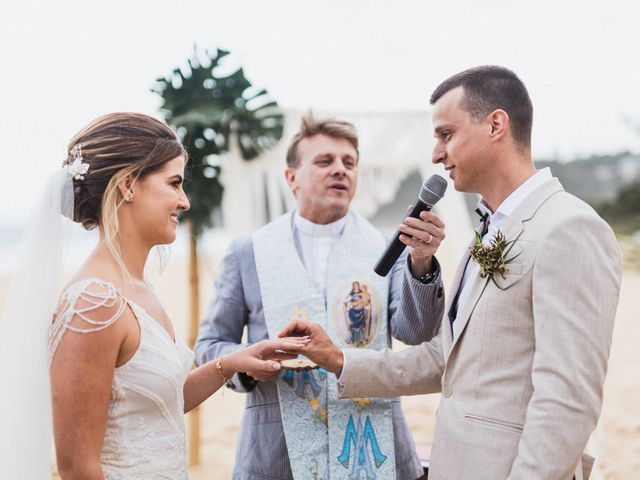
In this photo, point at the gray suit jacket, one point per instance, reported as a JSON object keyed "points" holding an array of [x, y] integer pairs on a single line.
{"points": [[522, 383], [261, 451]]}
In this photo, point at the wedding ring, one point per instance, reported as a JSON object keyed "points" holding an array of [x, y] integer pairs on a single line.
{"points": [[430, 238]]}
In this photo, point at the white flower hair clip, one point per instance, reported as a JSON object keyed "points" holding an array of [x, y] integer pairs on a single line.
{"points": [[77, 169]]}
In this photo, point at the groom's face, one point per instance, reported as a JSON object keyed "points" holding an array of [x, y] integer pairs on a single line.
{"points": [[461, 143]]}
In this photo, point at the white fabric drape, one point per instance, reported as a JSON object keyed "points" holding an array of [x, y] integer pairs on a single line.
{"points": [[25, 402]]}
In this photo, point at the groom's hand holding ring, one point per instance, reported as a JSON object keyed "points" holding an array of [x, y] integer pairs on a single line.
{"points": [[320, 349]]}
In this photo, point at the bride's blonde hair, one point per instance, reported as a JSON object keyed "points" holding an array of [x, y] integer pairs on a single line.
{"points": [[120, 148]]}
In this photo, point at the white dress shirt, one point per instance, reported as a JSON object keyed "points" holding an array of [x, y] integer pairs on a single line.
{"points": [[497, 220], [314, 243]]}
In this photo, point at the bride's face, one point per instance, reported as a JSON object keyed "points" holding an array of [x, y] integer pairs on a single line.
{"points": [[157, 202]]}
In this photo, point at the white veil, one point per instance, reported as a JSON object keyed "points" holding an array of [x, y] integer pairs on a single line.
{"points": [[26, 438]]}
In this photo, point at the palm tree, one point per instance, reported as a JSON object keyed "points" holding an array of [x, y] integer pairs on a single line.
{"points": [[211, 110]]}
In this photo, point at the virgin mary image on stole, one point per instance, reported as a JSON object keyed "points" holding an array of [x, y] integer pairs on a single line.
{"points": [[357, 314]]}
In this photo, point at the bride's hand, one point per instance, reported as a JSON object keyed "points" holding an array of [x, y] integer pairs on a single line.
{"points": [[262, 360]]}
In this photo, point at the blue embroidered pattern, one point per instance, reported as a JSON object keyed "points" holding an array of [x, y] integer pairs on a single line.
{"points": [[361, 438]]}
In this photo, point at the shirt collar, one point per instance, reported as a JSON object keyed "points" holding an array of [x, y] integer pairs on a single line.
{"points": [[508, 206], [311, 229]]}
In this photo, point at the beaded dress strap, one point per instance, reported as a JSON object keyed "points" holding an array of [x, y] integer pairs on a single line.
{"points": [[94, 294]]}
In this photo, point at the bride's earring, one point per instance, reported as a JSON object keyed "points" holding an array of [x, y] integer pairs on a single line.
{"points": [[128, 197]]}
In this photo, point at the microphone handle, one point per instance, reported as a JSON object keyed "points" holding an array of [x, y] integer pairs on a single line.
{"points": [[396, 247]]}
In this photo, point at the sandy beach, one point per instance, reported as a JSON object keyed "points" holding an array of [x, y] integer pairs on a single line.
{"points": [[615, 443]]}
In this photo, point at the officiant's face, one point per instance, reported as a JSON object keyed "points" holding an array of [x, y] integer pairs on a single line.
{"points": [[462, 144], [157, 202], [324, 181]]}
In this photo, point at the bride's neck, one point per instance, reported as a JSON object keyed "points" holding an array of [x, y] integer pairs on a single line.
{"points": [[134, 257]]}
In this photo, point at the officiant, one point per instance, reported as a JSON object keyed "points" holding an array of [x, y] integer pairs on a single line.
{"points": [[304, 265]]}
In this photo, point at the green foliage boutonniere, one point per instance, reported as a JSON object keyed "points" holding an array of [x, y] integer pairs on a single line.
{"points": [[492, 258]]}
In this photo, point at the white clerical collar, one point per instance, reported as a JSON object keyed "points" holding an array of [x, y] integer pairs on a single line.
{"points": [[307, 227], [508, 206]]}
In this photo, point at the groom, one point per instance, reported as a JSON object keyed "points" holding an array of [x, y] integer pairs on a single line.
{"points": [[522, 352]]}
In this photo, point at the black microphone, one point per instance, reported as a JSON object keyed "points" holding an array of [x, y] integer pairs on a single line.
{"points": [[432, 190]]}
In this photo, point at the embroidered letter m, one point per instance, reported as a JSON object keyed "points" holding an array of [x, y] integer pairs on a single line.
{"points": [[361, 439]]}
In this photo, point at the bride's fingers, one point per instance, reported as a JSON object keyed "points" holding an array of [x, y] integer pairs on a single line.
{"points": [[285, 345], [267, 366], [277, 349]]}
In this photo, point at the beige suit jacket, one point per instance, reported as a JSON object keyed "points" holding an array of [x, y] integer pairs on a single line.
{"points": [[522, 384]]}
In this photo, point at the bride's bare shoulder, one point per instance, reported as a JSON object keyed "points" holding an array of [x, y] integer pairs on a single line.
{"points": [[90, 292], [90, 284], [88, 304]]}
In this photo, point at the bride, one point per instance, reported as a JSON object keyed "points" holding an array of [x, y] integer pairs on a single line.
{"points": [[120, 375]]}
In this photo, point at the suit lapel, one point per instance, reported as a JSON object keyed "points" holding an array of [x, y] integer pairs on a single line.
{"points": [[452, 298], [512, 230], [476, 287]]}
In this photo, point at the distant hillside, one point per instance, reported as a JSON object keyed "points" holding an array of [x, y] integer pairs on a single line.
{"points": [[611, 184], [596, 179]]}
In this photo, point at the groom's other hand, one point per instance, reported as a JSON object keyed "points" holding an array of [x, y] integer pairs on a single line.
{"points": [[424, 235], [320, 348]]}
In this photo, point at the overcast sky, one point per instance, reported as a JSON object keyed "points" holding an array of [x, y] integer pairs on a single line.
{"points": [[64, 63]]}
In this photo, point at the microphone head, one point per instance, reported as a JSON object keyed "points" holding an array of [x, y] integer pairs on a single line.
{"points": [[433, 189]]}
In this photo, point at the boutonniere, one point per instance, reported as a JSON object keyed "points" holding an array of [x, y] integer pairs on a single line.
{"points": [[492, 258]]}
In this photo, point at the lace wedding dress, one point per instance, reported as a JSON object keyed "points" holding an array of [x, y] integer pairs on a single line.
{"points": [[145, 435]]}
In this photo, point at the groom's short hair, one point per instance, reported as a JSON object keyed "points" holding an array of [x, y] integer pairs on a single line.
{"points": [[490, 87]]}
